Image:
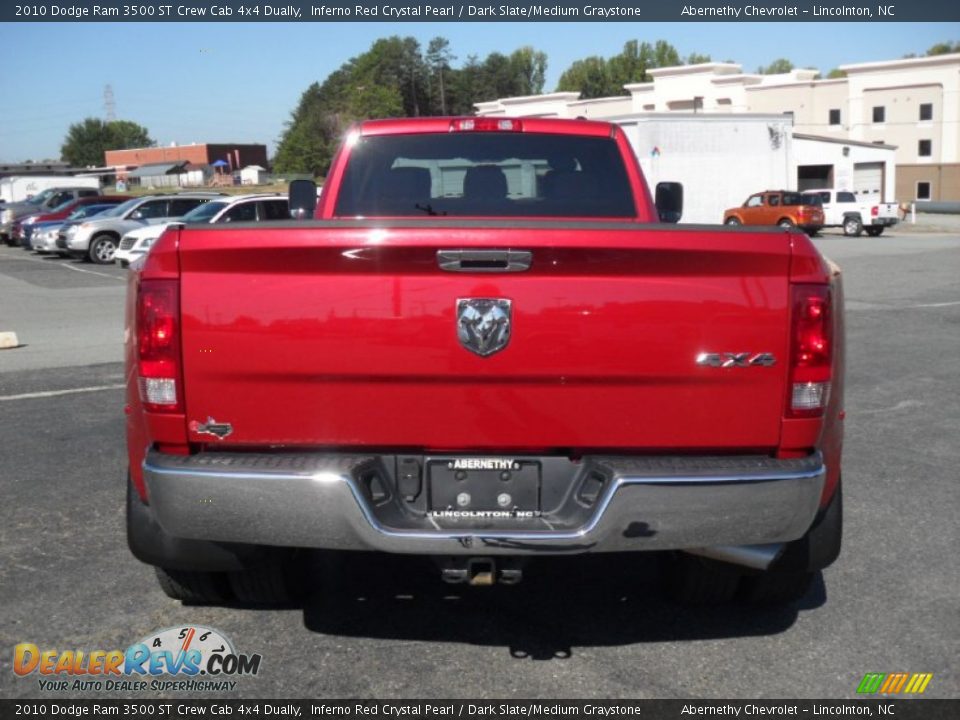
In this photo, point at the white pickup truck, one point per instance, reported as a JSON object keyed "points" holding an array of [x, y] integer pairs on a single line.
{"points": [[842, 208]]}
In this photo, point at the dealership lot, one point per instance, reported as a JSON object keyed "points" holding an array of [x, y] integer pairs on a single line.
{"points": [[577, 628]]}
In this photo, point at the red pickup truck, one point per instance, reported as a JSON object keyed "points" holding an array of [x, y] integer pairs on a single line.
{"points": [[489, 344]]}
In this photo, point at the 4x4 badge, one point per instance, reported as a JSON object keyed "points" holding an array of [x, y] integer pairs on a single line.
{"points": [[483, 324]]}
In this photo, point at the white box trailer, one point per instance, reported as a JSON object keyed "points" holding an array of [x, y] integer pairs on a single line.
{"points": [[21, 187], [721, 158]]}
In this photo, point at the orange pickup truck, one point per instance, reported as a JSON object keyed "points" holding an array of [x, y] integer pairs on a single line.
{"points": [[785, 208]]}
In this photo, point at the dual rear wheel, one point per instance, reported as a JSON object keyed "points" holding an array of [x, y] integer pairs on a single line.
{"points": [[274, 584]]}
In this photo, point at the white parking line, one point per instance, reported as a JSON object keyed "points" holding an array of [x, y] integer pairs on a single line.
{"points": [[55, 393], [48, 263], [943, 304], [91, 272]]}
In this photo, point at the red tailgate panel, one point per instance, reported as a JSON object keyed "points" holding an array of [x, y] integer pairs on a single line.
{"points": [[329, 337]]}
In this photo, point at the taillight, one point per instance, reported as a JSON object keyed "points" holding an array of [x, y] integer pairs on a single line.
{"points": [[158, 345], [875, 210], [486, 124], [811, 351]]}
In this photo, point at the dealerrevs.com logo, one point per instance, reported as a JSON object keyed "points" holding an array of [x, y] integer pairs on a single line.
{"points": [[894, 683], [192, 658]]}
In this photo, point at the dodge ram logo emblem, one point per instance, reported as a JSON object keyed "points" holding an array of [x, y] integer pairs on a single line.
{"points": [[483, 324]]}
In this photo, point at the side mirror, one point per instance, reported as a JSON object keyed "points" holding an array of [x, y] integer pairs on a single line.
{"points": [[303, 199], [669, 201]]}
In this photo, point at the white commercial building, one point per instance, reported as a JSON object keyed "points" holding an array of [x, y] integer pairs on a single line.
{"points": [[909, 109]]}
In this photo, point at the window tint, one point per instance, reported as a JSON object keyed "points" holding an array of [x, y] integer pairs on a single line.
{"points": [[845, 197], [773, 200], [879, 114], [926, 111], [835, 117], [87, 211], [492, 174], [244, 212], [123, 207], [41, 198], [812, 199], [151, 209], [181, 206], [925, 148], [923, 191], [755, 201], [274, 210], [205, 212], [58, 199], [88, 193], [792, 199]]}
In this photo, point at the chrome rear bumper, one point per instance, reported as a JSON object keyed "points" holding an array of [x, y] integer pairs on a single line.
{"points": [[319, 501]]}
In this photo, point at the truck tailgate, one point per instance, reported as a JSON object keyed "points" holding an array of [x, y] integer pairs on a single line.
{"points": [[345, 335]]}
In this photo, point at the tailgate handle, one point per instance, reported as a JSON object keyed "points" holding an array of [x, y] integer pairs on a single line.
{"points": [[484, 260]]}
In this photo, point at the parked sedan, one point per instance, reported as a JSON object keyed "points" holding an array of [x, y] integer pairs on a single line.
{"points": [[40, 203], [97, 239], [239, 208], [24, 227], [43, 239]]}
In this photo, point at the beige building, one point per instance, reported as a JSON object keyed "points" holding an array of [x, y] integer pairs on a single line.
{"points": [[912, 105]]}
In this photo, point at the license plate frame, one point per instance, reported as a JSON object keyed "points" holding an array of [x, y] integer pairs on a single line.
{"points": [[485, 483]]}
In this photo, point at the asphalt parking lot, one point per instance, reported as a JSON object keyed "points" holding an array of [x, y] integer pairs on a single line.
{"points": [[577, 628]]}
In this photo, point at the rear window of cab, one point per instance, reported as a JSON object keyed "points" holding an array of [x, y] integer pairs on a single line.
{"points": [[485, 174]]}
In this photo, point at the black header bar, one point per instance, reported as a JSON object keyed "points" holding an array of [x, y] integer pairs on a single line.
{"points": [[895, 708], [496, 11]]}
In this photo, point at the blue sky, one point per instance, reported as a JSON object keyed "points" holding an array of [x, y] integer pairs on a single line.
{"points": [[238, 82]]}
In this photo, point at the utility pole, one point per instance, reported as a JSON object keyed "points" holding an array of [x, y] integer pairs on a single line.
{"points": [[109, 106]]}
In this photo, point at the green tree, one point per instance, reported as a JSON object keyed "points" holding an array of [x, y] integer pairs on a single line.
{"points": [[597, 77], [394, 62], [394, 78], [629, 66], [87, 141], [529, 68], [944, 48], [665, 55], [463, 87], [777, 67], [835, 74], [439, 56], [589, 76], [697, 59]]}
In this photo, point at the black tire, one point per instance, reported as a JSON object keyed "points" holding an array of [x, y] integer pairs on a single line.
{"points": [[102, 249], [775, 588], [874, 231], [265, 585], [786, 223], [852, 227], [698, 581], [732, 221], [193, 587]]}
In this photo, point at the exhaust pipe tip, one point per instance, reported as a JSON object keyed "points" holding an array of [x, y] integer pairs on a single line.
{"points": [[757, 557]]}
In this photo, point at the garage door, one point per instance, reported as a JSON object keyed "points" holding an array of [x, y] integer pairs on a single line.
{"points": [[868, 178]]}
